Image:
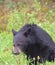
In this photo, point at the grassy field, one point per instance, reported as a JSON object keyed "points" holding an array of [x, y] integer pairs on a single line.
{"points": [[15, 19]]}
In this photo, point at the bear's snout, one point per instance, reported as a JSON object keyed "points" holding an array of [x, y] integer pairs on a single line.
{"points": [[16, 51]]}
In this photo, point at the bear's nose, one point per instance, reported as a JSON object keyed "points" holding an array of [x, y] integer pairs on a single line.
{"points": [[15, 51]]}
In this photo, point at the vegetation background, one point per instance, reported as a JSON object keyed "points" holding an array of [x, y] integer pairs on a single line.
{"points": [[16, 13]]}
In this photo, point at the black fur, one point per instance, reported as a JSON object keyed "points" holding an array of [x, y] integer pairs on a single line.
{"points": [[34, 42]]}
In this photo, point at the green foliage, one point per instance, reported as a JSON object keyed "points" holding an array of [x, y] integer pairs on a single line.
{"points": [[37, 5], [10, 4], [1, 1], [16, 20], [49, 16]]}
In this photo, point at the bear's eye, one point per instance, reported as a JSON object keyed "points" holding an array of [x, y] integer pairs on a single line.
{"points": [[18, 44]]}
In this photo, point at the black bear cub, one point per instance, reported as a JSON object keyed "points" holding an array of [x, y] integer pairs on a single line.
{"points": [[34, 42]]}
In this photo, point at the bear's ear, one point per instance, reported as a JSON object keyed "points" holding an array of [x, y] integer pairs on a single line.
{"points": [[14, 32], [27, 32]]}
